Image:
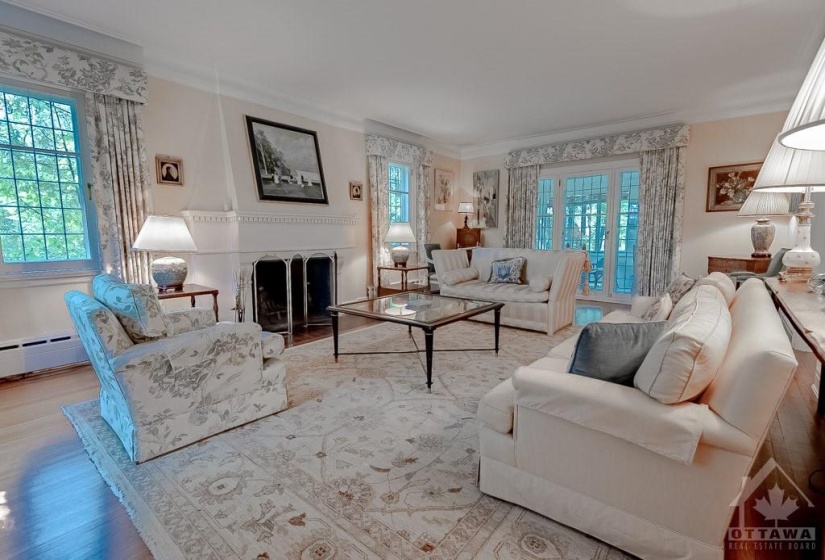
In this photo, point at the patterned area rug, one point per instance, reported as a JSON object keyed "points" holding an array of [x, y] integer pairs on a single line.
{"points": [[364, 464]]}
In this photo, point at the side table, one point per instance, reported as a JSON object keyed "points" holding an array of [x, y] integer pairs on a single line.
{"points": [[404, 285], [192, 291]]}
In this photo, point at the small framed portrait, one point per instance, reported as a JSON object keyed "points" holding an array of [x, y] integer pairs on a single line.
{"points": [[169, 170], [356, 190], [730, 185]]}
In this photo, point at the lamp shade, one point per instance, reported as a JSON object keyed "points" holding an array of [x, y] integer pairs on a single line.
{"points": [[764, 204], [400, 232], [164, 234], [465, 208], [790, 170], [805, 127]]}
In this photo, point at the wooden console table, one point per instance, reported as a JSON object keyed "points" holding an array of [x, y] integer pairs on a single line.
{"points": [[192, 291], [738, 264], [804, 310]]}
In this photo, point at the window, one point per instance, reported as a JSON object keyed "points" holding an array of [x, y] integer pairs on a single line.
{"points": [[399, 193], [544, 217], [43, 221]]}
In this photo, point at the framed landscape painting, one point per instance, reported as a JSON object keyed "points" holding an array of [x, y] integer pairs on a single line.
{"points": [[444, 187], [287, 162], [730, 185]]}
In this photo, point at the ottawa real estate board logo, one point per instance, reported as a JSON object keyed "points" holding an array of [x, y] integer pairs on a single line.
{"points": [[776, 506]]}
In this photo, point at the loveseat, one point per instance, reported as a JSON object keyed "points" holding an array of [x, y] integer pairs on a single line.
{"points": [[657, 480], [544, 300], [171, 379]]}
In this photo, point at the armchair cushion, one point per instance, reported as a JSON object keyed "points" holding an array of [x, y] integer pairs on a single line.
{"points": [[186, 320], [614, 351], [273, 344], [497, 408], [136, 306], [458, 276], [672, 431]]}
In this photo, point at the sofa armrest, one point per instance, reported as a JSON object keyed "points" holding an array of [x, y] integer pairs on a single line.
{"points": [[186, 320], [567, 276], [447, 260], [623, 412]]}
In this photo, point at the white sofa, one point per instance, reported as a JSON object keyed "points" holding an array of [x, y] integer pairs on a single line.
{"points": [[611, 461], [545, 310]]}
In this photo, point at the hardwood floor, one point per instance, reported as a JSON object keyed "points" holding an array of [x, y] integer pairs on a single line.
{"points": [[54, 504]]}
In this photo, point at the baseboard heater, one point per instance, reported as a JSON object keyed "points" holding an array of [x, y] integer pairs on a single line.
{"points": [[41, 352]]}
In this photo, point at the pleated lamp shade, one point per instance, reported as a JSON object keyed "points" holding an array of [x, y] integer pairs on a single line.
{"points": [[791, 171], [805, 127], [765, 204]]}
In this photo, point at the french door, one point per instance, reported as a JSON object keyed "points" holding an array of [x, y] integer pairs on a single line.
{"points": [[595, 208]]}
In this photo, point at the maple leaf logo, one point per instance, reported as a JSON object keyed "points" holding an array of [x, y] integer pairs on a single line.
{"points": [[776, 507]]}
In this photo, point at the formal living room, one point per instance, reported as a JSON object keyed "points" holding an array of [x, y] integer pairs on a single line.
{"points": [[412, 280]]}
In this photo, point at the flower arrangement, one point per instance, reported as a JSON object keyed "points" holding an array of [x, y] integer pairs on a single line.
{"points": [[736, 187]]}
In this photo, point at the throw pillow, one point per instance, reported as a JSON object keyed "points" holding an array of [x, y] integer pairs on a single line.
{"points": [[540, 283], [614, 351], [659, 310], [679, 287], [136, 306], [506, 271], [685, 359], [722, 282], [458, 276]]}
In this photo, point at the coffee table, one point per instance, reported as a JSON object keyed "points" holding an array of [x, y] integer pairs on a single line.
{"points": [[424, 311]]}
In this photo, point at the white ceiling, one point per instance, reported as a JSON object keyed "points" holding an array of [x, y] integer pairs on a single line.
{"points": [[475, 72]]}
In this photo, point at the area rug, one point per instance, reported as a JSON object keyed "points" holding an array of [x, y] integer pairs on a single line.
{"points": [[364, 464]]}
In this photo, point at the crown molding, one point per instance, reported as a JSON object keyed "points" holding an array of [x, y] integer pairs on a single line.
{"points": [[232, 216]]}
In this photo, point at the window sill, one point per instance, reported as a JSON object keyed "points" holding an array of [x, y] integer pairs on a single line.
{"points": [[12, 280]]}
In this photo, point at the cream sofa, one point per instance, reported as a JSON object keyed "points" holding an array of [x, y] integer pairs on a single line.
{"points": [[546, 310], [653, 479], [171, 379]]}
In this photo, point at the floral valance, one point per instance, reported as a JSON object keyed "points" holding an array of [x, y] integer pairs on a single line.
{"points": [[399, 151], [25, 58], [626, 143]]}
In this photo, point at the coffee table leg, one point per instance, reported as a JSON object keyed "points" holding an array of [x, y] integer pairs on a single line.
{"points": [[409, 330], [428, 343], [498, 325], [334, 316]]}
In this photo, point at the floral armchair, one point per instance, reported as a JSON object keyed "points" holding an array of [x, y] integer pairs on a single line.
{"points": [[171, 379]]}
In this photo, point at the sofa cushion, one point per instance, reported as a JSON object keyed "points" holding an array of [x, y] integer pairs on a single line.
{"points": [[679, 287], [540, 283], [458, 276], [685, 359], [507, 271], [477, 289], [498, 406], [659, 310], [721, 281], [136, 306], [614, 351], [687, 301]]}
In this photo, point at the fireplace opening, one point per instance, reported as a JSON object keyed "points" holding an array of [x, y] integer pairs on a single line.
{"points": [[294, 292]]}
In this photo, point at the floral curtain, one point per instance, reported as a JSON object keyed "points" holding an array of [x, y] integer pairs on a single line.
{"points": [[380, 151], [522, 197], [120, 186], [661, 201]]}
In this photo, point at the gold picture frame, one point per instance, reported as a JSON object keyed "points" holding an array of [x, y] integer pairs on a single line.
{"points": [[169, 170]]}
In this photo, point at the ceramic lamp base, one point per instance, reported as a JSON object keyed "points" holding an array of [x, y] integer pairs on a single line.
{"points": [[762, 235], [169, 273], [400, 255]]}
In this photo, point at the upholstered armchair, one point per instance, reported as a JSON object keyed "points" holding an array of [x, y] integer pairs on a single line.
{"points": [[171, 379]]}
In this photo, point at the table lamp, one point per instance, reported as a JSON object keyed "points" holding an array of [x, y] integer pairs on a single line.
{"points": [[763, 206], [805, 127], [466, 208], [166, 234], [400, 232]]}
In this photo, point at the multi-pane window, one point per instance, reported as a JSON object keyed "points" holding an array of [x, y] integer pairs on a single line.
{"points": [[585, 221], [628, 230], [42, 216], [544, 215], [399, 187]]}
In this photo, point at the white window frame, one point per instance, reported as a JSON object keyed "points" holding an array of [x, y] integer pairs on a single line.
{"points": [[613, 167], [411, 210], [12, 273]]}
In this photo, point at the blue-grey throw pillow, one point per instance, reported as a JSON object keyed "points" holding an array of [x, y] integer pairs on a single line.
{"points": [[614, 351], [506, 271]]}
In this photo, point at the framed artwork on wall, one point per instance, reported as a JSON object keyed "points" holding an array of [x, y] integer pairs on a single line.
{"points": [[444, 187], [356, 190], [485, 198], [287, 162], [169, 170], [730, 185]]}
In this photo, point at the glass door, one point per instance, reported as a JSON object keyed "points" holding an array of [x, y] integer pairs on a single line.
{"points": [[586, 200]]}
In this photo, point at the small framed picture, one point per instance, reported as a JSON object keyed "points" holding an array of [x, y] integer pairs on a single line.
{"points": [[730, 185], [356, 190], [169, 170], [444, 187]]}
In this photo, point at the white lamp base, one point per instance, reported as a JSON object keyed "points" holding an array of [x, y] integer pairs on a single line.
{"points": [[801, 261], [400, 255], [169, 273]]}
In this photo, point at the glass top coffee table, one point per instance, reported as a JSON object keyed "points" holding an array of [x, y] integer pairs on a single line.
{"points": [[424, 311]]}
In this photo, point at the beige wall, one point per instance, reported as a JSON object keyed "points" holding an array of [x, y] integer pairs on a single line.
{"points": [[713, 144]]}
